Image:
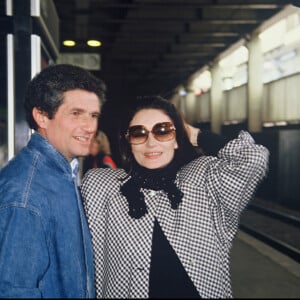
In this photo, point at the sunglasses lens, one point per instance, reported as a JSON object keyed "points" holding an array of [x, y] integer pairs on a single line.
{"points": [[164, 131], [137, 135]]}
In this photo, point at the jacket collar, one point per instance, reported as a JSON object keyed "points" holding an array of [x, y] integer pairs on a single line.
{"points": [[48, 153]]}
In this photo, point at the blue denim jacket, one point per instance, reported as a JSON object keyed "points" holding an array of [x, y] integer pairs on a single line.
{"points": [[45, 244]]}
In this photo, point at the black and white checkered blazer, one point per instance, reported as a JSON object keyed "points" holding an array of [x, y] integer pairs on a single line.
{"points": [[201, 230]]}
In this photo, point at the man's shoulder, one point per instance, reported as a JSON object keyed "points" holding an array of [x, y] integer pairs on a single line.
{"points": [[13, 179], [20, 178]]}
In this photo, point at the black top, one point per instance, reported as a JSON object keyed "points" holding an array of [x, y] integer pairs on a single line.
{"points": [[168, 278]]}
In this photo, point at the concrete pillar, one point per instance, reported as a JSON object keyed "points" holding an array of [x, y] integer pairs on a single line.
{"points": [[255, 85], [216, 97], [190, 104]]}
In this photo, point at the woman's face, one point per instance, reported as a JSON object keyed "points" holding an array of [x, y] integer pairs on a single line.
{"points": [[94, 147], [153, 154]]}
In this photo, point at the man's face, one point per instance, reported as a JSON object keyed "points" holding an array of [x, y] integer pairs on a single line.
{"points": [[74, 124]]}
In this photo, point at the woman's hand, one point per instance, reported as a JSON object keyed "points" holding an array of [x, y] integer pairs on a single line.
{"points": [[192, 133]]}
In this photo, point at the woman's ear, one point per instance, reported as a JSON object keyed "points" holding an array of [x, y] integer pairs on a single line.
{"points": [[40, 117]]}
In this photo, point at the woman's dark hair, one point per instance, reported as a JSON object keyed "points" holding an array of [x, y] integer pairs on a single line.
{"points": [[45, 91], [185, 152]]}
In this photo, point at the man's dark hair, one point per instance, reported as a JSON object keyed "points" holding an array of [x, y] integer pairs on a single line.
{"points": [[45, 91], [185, 152]]}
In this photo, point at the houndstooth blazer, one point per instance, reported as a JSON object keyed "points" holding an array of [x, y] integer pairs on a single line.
{"points": [[201, 230]]}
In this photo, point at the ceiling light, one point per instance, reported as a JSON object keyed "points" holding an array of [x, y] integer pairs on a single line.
{"points": [[94, 43], [182, 92], [69, 43]]}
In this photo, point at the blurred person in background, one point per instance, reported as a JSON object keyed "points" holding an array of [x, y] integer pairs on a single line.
{"points": [[100, 154]]}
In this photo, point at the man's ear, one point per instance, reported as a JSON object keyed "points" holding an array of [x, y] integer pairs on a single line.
{"points": [[40, 117]]}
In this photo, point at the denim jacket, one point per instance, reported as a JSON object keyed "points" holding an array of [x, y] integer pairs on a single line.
{"points": [[45, 244]]}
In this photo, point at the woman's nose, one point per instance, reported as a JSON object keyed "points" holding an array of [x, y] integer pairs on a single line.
{"points": [[151, 139]]}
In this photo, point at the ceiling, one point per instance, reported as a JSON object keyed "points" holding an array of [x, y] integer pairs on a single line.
{"points": [[152, 46]]}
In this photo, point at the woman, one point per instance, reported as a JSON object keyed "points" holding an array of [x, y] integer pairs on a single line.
{"points": [[100, 155], [165, 230]]}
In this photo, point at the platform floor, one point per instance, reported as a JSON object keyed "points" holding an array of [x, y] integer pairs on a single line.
{"points": [[259, 271]]}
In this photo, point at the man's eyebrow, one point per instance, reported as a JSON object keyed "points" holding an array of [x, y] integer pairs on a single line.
{"points": [[96, 113], [77, 108], [80, 109]]}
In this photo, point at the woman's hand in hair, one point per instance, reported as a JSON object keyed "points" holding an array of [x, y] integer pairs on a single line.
{"points": [[192, 133]]}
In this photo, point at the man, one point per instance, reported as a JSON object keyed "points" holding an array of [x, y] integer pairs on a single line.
{"points": [[45, 245]]}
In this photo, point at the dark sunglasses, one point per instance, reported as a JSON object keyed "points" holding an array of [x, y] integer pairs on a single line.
{"points": [[162, 132]]}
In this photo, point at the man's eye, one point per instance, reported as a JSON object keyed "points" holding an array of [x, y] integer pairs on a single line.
{"points": [[95, 116], [75, 113]]}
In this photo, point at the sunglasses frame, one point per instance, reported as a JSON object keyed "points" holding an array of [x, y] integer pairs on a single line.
{"points": [[168, 125]]}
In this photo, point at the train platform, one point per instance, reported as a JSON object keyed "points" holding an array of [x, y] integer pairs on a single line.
{"points": [[260, 271]]}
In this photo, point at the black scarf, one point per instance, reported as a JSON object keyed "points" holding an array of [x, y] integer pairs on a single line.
{"points": [[154, 179]]}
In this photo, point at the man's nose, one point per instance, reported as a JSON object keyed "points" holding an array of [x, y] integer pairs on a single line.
{"points": [[89, 124]]}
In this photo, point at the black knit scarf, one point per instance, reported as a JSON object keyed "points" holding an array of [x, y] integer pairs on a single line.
{"points": [[154, 179]]}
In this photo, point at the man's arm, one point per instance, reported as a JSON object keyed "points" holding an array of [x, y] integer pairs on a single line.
{"points": [[23, 253]]}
